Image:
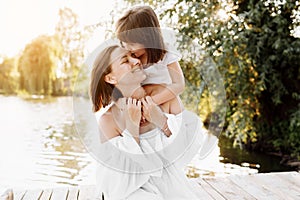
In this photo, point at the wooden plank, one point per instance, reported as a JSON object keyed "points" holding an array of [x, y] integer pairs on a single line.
{"points": [[201, 192], [253, 187], [59, 193], [46, 195], [278, 186], [32, 194], [73, 193], [86, 192], [291, 177], [228, 189], [19, 194], [212, 192], [275, 186]]}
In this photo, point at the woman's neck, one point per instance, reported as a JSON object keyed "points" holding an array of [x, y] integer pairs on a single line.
{"points": [[136, 92]]}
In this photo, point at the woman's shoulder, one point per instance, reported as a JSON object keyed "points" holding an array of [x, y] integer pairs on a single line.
{"points": [[107, 126], [105, 119]]}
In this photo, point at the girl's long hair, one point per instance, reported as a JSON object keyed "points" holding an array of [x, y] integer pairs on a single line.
{"points": [[140, 25]]}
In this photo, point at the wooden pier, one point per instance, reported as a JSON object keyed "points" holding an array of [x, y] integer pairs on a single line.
{"points": [[275, 186]]}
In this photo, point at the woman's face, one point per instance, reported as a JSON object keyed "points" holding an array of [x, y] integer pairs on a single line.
{"points": [[136, 49], [125, 68]]}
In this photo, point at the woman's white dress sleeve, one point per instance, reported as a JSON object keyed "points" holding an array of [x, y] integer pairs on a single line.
{"points": [[123, 167], [126, 166], [186, 140]]}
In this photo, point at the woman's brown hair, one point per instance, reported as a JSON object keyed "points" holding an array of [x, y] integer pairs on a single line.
{"points": [[140, 25], [101, 92]]}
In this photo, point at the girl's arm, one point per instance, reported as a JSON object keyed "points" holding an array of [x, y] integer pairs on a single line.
{"points": [[175, 88]]}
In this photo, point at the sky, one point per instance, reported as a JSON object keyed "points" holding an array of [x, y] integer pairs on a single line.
{"points": [[23, 20]]}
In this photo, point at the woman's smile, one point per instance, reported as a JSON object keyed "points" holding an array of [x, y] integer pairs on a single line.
{"points": [[136, 69]]}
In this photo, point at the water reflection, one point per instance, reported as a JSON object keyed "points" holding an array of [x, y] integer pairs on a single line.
{"points": [[39, 147], [211, 165], [262, 162], [63, 153]]}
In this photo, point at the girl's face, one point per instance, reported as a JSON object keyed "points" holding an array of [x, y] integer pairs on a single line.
{"points": [[125, 68], [136, 49]]}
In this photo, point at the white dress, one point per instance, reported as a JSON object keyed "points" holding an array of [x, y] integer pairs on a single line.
{"points": [[152, 169]]}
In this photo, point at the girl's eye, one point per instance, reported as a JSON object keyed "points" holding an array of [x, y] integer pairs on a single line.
{"points": [[133, 55]]}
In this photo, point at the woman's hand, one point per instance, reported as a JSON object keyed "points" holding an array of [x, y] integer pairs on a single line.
{"points": [[133, 114], [153, 113]]}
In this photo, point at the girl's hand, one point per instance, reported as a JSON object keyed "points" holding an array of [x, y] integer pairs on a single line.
{"points": [[152, 113]]}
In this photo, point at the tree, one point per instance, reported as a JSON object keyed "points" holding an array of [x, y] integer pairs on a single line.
{"points": [[73, 38], [38, 64], [253, 44], [8, 75]]}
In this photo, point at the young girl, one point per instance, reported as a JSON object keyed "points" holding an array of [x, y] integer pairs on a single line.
{"points": [[139, 32]]}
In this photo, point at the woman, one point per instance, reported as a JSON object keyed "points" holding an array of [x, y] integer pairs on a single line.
{"points": [[143, 147]]}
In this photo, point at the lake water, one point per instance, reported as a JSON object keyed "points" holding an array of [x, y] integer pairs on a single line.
{"points": [[39, 147]]}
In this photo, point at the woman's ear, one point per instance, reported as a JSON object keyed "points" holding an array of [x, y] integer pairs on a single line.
{"points": [[110, 79]]}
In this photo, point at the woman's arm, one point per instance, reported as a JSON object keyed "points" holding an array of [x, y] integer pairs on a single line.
{"points": [[132, 115], [107, 127], [125, 168], [175, 88], [154, 114]]}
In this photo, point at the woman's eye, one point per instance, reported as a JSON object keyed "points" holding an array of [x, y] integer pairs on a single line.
{"points": [[122, 44], [124, 61]]}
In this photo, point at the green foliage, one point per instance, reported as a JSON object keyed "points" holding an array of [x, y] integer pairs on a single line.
{"points": [[8, 76], [252, 44], [49, 65], [288, 142], [276, 52], [37, 65], [72, 39]]}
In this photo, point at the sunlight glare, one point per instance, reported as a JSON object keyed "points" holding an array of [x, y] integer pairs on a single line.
{"points": [[23, 20], [222, 15]]}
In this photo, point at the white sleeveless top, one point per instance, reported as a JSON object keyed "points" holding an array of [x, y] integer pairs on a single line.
{"points": [[158, 73]]}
